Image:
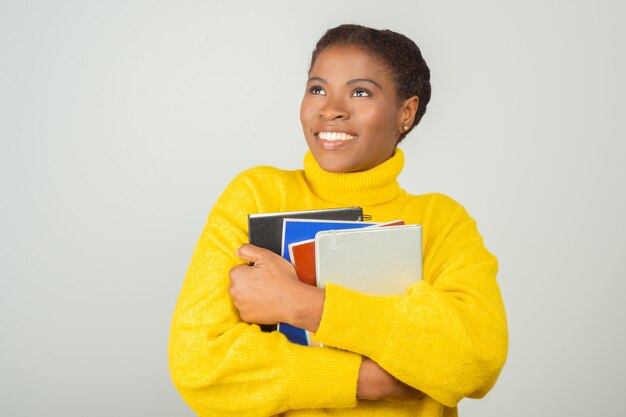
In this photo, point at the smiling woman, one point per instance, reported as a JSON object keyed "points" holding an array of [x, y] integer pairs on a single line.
{"points": [[417, 354], [350, 113]]}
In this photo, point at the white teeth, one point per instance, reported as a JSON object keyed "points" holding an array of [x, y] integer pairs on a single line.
{"points": [[335, 136]]}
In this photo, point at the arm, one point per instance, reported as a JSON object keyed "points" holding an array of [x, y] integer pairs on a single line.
{"points": [[447, 335], [375, 383], [223, 366], [259, 293]]}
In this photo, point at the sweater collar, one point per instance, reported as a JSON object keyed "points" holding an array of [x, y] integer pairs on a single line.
{"points": [[375, 186]]}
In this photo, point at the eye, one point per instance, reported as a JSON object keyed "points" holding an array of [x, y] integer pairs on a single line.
{"points": [[316, 90], [361, 92]]}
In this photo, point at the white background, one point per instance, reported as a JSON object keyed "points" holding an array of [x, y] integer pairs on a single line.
{"points": [[122, 121]]}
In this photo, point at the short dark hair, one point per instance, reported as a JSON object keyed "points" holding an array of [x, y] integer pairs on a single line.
{"points": [[400, 54]]}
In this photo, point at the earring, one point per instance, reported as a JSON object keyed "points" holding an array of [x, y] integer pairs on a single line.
{"points": [[405, 128]]}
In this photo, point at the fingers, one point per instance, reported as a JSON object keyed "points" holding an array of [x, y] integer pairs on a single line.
{"points": [[237, 274], [252, 253], [238, 271]]}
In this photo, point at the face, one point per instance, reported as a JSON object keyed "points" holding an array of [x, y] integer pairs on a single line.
{"points": [[349, 113]]}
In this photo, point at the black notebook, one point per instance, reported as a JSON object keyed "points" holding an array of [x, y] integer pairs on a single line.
{"points": [[266, 229]]}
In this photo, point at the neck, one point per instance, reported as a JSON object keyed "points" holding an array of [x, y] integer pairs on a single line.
{"points": [[374, 186]]}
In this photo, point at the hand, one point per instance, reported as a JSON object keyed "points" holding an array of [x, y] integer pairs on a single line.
{"points": [[375, 383], [270, 292]]}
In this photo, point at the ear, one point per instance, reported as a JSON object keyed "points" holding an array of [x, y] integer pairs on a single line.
{"points": [[406, 114]]}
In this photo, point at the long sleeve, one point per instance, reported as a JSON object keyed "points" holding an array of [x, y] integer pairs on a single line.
{"points": [[447, 336], [225, 367]]}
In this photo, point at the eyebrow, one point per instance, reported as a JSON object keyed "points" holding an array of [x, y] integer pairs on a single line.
{"points": [[353, 81], [364, 80]]}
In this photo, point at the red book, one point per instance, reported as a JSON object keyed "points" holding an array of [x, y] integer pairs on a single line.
{"points": [[303, 259]]}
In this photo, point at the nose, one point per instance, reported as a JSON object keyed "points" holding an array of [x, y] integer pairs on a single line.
{"points": [[334, 109]]}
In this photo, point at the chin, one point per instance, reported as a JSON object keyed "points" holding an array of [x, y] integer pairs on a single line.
{"points": [[332, 162], [335, 168]]}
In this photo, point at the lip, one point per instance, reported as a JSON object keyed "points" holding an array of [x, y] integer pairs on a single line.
{"points": [[333, 145]]}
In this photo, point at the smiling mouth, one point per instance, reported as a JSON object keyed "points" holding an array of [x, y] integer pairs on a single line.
{"points": [[335, 136]]}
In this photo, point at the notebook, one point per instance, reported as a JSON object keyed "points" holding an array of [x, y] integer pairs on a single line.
{"points": [[266, 229], [377, 261], [298, 231]]}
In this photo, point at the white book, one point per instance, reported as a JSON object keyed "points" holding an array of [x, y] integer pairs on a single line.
{"points": [[377, 261]]}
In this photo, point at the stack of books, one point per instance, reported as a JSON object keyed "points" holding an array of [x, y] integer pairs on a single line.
{"points": [[336, 246]]}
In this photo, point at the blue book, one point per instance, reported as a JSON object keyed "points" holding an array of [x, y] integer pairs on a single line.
{"points": [[298, 230]]}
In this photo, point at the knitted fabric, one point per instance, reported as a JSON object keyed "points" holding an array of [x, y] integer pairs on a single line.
{"points": [[446, 336]]}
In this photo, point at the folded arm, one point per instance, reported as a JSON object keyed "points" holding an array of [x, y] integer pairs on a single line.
{"points": [[270, 292], [447, 336]]}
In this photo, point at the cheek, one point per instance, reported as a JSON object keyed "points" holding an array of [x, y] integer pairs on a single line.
{"points": [[306, 119], [306, 109], [379, 119]]}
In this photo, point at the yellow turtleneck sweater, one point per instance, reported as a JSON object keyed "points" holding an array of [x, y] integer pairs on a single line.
{"points": [[447, 336]]}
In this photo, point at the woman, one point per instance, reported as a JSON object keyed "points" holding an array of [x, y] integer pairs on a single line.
{"points": [[417, 354]]}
